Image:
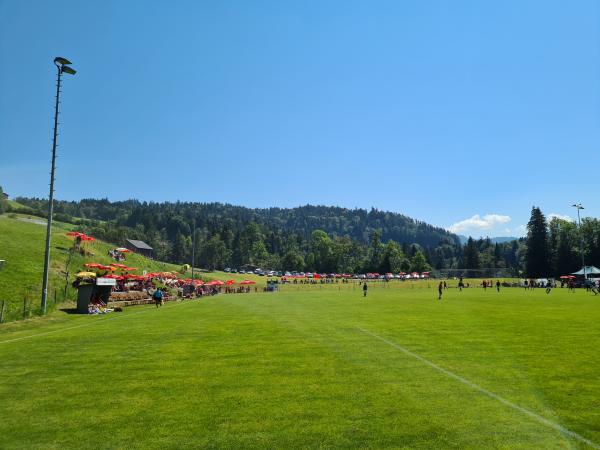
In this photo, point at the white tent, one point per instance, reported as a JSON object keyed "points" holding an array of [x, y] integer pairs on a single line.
{"points": [[589, 270]]}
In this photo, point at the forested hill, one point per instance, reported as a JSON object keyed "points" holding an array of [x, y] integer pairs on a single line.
{"points": [[313, 238], [357, 224]]}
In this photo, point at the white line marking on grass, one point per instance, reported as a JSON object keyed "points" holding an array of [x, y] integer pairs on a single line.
{"points": [[80, 326], [466, 382]]}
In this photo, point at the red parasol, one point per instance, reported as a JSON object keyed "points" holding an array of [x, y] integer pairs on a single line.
{"points": [[116, 277], [247, 282]]}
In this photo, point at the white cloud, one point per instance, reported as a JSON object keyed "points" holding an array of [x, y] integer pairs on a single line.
{"points": [[560, 216], [478, 223]]}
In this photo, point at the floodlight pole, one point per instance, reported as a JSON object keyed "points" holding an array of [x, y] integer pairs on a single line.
{"points": [[579, 208], [193, 248], [59, 66]]}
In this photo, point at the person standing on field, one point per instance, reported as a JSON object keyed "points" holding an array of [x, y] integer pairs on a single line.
{"points": [[158, 297], [365, 288], [498, 285], [440, 290]]}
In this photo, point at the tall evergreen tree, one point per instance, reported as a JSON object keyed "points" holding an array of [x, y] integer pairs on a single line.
{"points": [[537, 261], [472, 257]]}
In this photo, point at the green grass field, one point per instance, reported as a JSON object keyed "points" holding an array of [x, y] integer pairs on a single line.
{"points": [[310, 367]]}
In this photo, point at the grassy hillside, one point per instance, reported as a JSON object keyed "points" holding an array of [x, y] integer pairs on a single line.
{"points": [[22, 240]]}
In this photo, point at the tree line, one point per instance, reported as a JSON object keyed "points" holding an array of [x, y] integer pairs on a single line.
{"points": [[307, 238], [555, 247]]}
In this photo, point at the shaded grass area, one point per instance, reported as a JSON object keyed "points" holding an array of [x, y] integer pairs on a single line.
{"points": [[293, 370]]}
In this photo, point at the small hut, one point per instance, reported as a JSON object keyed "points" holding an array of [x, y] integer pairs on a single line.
{"points": [[139, 247]]}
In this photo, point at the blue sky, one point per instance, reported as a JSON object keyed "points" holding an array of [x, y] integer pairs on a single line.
{"points": [[463, 114]]}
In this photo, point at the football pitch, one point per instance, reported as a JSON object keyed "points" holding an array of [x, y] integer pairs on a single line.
{"points": [[311, 367]]}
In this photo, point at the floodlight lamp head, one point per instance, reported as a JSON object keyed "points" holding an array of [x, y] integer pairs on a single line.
{"points": [[67, 69], [62, 61]]}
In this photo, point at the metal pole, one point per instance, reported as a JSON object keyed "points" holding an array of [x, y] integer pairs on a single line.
{"points": [[51, 197], [581, 245], [193, 248]]}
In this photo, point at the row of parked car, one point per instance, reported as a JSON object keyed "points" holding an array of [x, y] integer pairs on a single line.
{"points": [[268, 273], [360, 276]]}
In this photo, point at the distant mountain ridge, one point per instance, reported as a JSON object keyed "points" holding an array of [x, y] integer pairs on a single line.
{"points": [[495, 240]]}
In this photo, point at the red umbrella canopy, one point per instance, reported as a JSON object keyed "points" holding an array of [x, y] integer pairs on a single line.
{"points": [[121, 266], [568, 277], [229, 282], [99, 266], [82, 236], [116, 277], [247, 282]]}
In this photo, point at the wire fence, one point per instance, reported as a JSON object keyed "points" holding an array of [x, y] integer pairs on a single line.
{"points": [[30, 304]]}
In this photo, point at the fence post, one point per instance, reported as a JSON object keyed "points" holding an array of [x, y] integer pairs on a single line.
{"points": [[2, 311]]}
